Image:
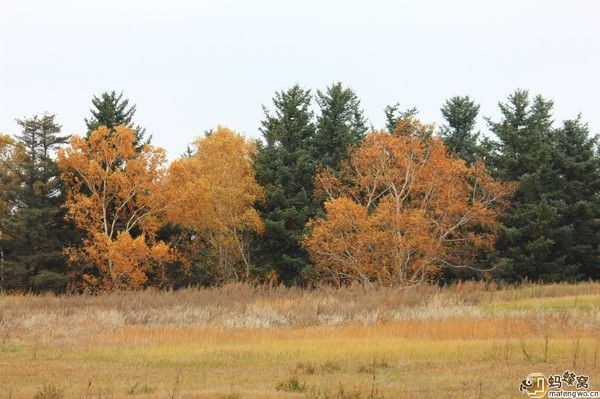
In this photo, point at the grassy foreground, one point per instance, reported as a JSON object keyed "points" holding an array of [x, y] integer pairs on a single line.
{"points": [[466, 341]]}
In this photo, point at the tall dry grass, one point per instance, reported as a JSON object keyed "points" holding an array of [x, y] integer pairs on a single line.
{"points": [[287, 342], [239, 306]]}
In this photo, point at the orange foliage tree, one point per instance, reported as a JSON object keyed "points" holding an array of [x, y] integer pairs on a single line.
{"points": [[114, 195], [400, 209], [216, 192]]}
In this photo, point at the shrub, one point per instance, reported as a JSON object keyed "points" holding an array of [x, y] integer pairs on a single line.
{"points": [[49, 281], [291, 385], [49, 391]]}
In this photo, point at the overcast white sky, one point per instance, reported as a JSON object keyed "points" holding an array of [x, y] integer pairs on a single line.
{"points": [[190, 65]]}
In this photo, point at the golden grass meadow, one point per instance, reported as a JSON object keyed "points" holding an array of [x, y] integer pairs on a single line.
{"points": [[469, 340]]}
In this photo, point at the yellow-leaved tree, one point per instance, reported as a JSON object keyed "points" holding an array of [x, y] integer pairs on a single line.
{"points": [[115, 195], [7, 151], [7, 155], [400, 209], [216, 191]]}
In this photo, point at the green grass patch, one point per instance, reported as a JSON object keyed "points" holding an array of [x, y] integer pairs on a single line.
{"points": [[571, 302]]}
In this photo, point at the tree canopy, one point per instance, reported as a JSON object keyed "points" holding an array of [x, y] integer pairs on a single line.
{"points": [[320, 197]]}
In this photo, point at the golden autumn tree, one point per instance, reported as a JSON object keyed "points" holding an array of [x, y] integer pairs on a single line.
{"points": [[400, 209], [115, 195], [7, 156], [7, 151], [216, 192]]}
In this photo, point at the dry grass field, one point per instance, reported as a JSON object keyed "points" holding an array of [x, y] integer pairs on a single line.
{"points": [[465, 341]]}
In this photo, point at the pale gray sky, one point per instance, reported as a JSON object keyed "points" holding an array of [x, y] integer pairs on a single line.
{"points": [[190, 65]]}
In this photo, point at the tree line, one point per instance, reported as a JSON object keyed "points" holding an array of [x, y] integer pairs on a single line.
{"points": [[322, 197]]}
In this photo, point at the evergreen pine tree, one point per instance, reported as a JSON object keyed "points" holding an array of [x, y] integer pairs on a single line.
{"points": [[393, 115], [459, 133], [576, 183], [285, 167], [340, 125], [36, 227], [533, 235], [111, 110]]}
